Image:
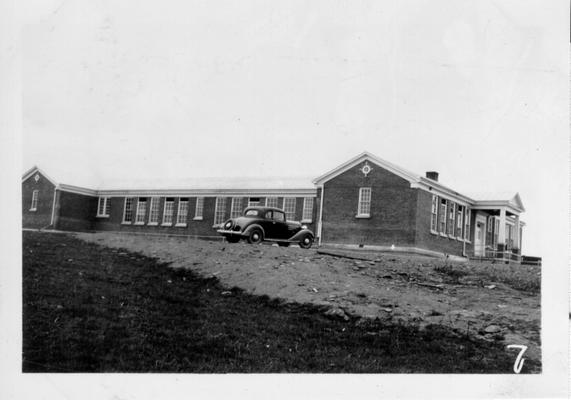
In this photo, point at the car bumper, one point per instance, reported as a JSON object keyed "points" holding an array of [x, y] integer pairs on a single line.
{"points": [[224, 232]]}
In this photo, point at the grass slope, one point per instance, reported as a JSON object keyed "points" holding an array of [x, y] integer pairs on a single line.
{"points": [[92, 309]]}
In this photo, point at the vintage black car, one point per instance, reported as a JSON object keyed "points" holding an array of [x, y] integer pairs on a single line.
{"points": [[259, 224]]}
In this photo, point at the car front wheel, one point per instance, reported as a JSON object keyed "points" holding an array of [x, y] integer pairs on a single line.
{"points": [[255, 236], [306, 242]]}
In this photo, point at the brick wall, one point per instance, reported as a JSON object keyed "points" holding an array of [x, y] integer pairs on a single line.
{"points": [[426, 239], [194, 227], [393, 209], [75, 212], [40, 218]]}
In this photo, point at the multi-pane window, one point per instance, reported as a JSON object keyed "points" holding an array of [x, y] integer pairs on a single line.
{"points": [[182, 214], [467, 224], [168, 211], [307, 214], [154, 211], [364, 207], [442, 215], [199, 208], [141, 211], [34, 205], [272, 202], [434, 214], [451, 216], [253, 201], [496, 232], [128, 210], [460, 222], [289, 208], [220, 210], [236, 209], [103, 207]]}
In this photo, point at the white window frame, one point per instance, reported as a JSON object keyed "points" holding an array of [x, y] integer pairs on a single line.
{"points": [[220, 210], [253, 203], [199, 209], [364, 204], [291, 212], [236, 207], [273, 199], [141, 200], [451, 224], [442, 217], [181, 222], [34, 204], [434, 214], [467, 222], [103, 203], [460, 222], [128, 200], [307, 212], [154, 210], [170, 214]]}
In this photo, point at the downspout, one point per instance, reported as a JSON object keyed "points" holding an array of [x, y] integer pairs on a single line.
{"points": [[320, 224], [52, 222]]}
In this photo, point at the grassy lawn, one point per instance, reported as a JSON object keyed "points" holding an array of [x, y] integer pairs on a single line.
{"points": [[88, 308]]}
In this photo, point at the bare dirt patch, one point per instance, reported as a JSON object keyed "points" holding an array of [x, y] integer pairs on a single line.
{"points": [[498, 302]]}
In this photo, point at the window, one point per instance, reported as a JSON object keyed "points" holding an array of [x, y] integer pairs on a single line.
{"points": [[220, 210], [253, 201], [434, 214], [307, 214], [496, 232], [199, 208], [442, 216], [364, 207], [278, 216], [141, 211], [289, 208], [182, 214], [451, 216], [490, 223], [168, 211], [467, 224], [103, 207], [154, 211], [236, 209], [509, 237], [128, 211], [460, 222], [34, 205], [272, 202]]}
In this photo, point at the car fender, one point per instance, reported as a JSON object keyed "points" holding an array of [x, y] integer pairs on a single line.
{"points": [[249, 228], [297, 237]]}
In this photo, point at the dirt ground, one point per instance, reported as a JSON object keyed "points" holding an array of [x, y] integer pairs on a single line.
{"points": [[487, 301]]}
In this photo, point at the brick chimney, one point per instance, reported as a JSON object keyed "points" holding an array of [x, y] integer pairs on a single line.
{"points": [[432, 175]]}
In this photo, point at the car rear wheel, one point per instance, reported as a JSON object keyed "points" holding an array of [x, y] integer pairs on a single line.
{"points": [[256, 236], [306, 242]]}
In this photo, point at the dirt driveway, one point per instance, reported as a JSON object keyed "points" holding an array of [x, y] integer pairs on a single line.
{"points": [[412, 289]]}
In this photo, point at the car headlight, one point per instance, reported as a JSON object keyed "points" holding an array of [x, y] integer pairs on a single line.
{"points": [[304, 227], [228, 225]]}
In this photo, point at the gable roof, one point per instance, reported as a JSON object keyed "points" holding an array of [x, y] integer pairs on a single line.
{"points": [[416, 181], [487, 200], [35, 169], [366, 156]]}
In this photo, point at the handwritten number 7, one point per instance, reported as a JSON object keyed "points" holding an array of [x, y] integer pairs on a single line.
{"points": [[519, 360]]}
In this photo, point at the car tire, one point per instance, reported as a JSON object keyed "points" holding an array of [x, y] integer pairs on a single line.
{"points": [[233, 239], [306, 242], [283, 244], [256, 236]]}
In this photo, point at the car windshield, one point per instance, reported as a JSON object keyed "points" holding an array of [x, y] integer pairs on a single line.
{"points": [[252, 212]]}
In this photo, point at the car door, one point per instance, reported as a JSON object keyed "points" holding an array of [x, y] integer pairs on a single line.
{"points": [[267, 222], [280, 226]]}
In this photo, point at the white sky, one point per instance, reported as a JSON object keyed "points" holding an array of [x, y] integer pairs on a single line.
{"points": [[477, 90]]}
